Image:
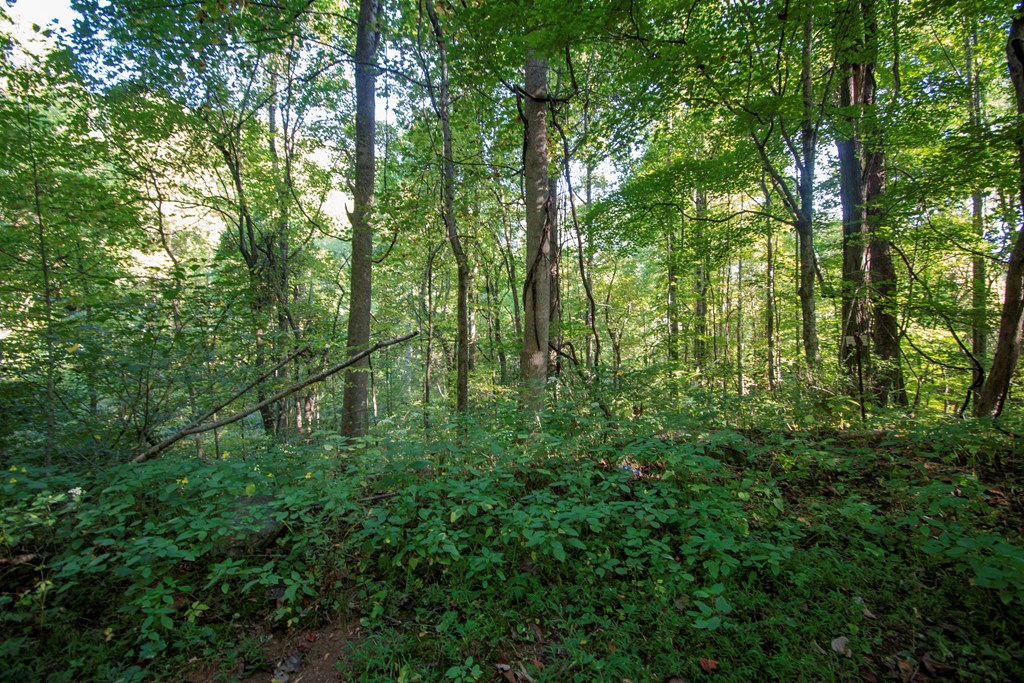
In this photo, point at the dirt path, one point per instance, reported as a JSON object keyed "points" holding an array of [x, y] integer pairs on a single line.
{"points": [[301, 657]]}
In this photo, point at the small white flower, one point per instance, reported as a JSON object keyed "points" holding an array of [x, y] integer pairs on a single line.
{"points": [[75, 492]]}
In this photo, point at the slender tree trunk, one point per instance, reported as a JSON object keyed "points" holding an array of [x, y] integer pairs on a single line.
{"points": [[701, 284], [536, 289], [428, 298], [979, 276], [594, 341], [769, 305], [1004, 361], [741, 383], [440, 99], [357, 379], [277, 274], [672, 307], [509, 261], [555, 307], [48, 328], [979, 297], [494, 306], [805, 219]]}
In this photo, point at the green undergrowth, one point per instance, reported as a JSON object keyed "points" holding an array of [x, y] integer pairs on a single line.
{"points": [[581, 553]]}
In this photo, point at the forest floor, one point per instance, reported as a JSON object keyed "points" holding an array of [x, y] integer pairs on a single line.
{"points": [[889, 554]]}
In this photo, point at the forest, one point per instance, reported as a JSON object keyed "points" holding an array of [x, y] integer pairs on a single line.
{"points": [[525, 341]]}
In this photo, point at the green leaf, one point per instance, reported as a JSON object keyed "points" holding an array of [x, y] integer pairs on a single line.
{"points": [[709, 624]]}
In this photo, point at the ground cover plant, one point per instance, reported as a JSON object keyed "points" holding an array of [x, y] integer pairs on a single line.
{"points": [[581, 552]]}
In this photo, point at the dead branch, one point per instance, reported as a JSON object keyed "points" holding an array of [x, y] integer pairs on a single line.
{"points": [[198, 427]]}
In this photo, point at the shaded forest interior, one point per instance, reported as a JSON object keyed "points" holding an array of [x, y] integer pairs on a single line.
{"points": [[541, 340]]}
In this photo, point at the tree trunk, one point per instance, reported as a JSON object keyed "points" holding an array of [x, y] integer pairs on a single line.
{"points": [[427, 297], [536, 289], [555, 308], [701, 284], [1004, 362], [672, 307], [741, 383], [979, 276], [805, 219], [979, 299], [853, 195], [440, 99], [593, 352], [888, 382], [769, 303], [357, 379]]}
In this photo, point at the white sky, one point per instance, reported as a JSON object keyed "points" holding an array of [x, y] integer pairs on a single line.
{"points": [[43, 13]]}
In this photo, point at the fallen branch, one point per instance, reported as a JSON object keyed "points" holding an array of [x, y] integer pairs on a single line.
{"points": [[197, 427], [238, 394]]}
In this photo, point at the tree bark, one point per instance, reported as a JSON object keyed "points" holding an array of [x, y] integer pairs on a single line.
{"points": [[357, 379], [1004, 361], [537, 286]]}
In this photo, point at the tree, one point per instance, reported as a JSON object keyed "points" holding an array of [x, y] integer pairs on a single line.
{"points": [[869, 284], [539, 205], [357, 380], [1008, 342], [440, 100]]}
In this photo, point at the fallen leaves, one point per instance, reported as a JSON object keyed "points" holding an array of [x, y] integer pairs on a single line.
{"points": [[506, 672], [708, 665], [516, 672]]}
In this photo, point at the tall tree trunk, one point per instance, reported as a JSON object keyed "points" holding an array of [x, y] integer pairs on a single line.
{"points": [[536, 289], [979, 276], [853, 195], [593, 352], [888, 381], [1004, 362], [701, 284], [439, 97], [868, 272], [805, 218], [769, 301], [357, 379], [741, 384], [277, 274], [979, 298]]}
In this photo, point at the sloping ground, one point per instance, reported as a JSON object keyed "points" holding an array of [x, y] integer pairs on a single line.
{"points": [[890, 555]]}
